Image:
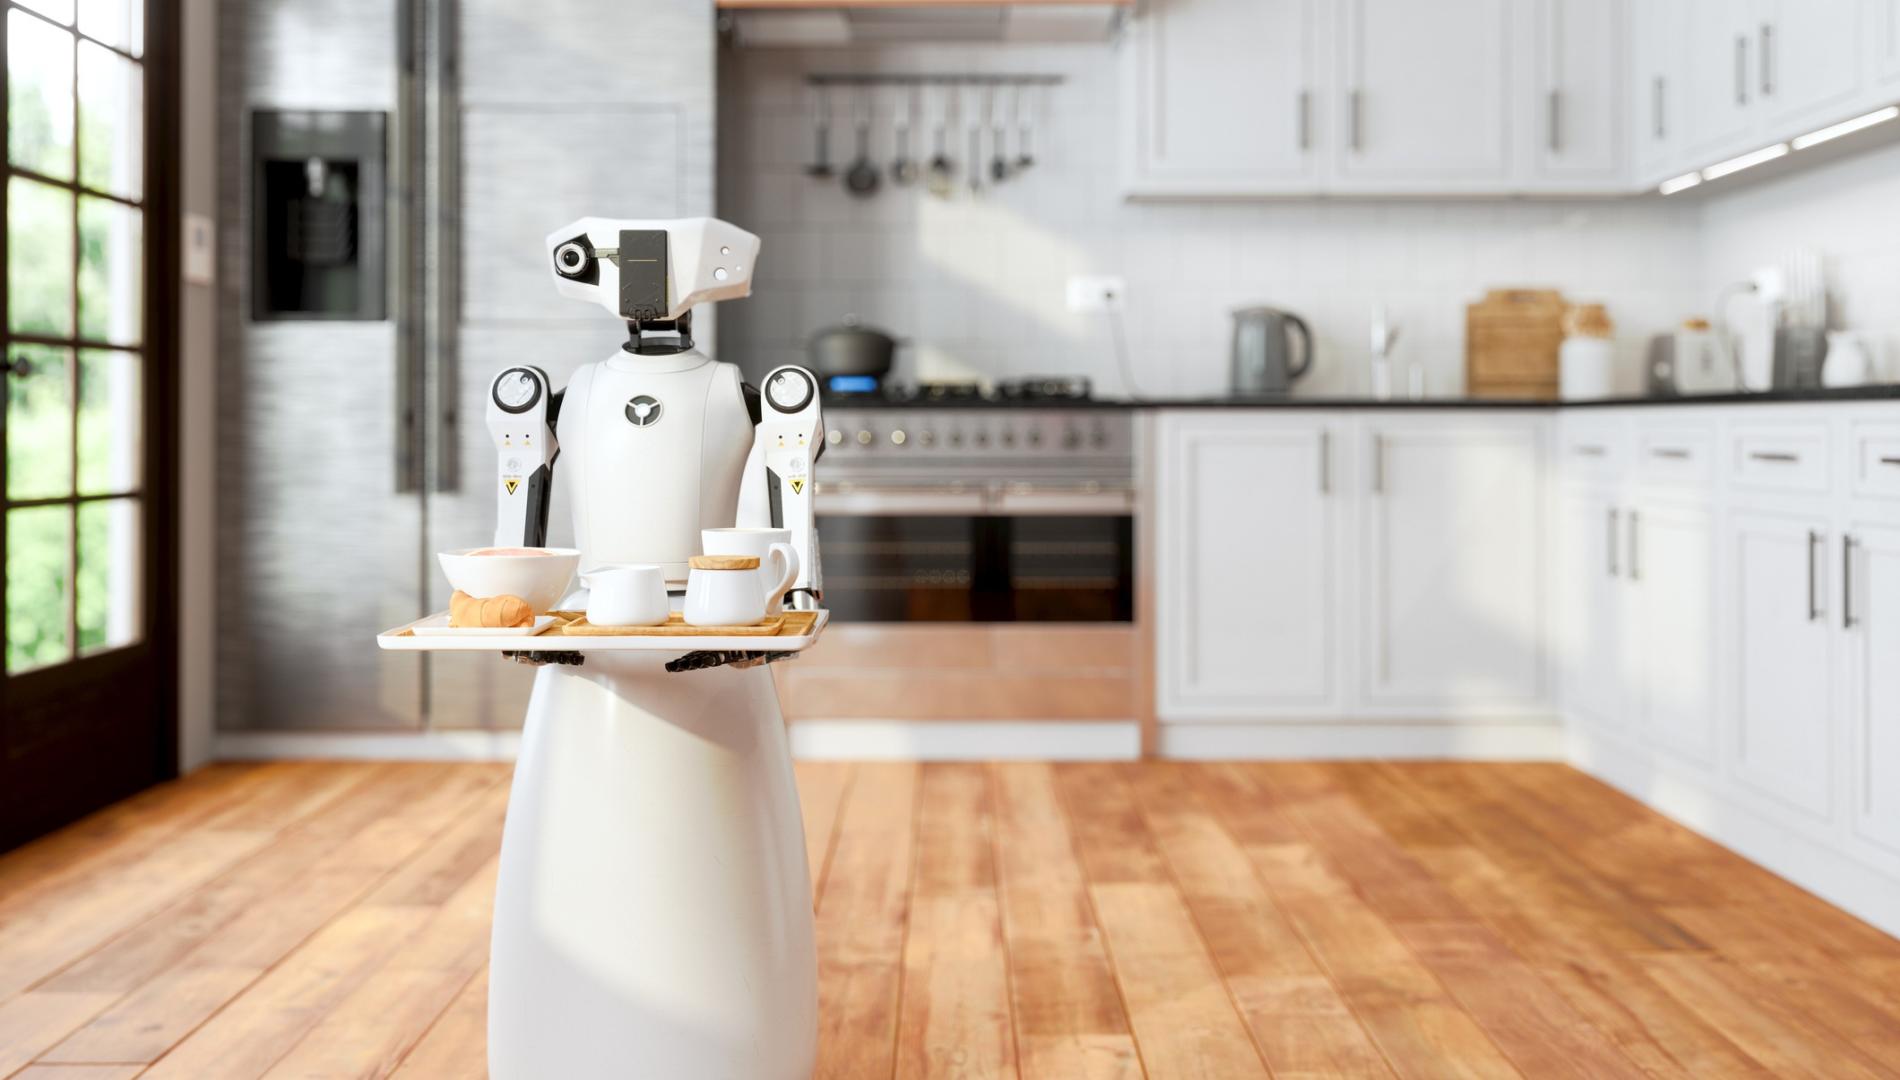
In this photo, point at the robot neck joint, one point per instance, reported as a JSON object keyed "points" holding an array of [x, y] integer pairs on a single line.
{"points": [[659, 337]]}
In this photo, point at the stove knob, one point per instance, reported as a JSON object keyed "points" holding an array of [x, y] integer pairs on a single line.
{"points": [[864, 438], [927, 438], [1009, 438], [982, 438], [1035, 437], [1072, 439], [898, 437], [834, 436], [956, 438], [1099, 439]]}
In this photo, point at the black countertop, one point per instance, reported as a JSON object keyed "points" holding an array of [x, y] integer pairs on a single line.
{"points": [[1882, 392]]}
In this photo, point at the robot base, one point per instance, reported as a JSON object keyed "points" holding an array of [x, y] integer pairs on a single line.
{"points": [[653, 913]]}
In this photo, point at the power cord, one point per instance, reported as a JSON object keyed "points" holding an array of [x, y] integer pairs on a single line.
{"points": [[1122, 364]]}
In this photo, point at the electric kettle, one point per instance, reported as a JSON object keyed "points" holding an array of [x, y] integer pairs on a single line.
{"points": [[1266, 359]]}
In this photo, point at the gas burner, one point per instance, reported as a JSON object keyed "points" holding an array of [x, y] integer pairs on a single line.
{"points": [[1045, 388], [939, 391]]}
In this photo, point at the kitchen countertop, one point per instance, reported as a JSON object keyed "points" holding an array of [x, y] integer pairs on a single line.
{"points": [[1880, 392]]}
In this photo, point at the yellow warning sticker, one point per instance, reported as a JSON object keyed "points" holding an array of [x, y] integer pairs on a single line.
{"points": [[798, 487], [511, 483]]}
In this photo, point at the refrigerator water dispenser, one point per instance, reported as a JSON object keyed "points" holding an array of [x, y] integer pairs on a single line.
{"points": [[317, 215]]}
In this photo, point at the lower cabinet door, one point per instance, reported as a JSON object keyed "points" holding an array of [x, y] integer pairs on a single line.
{"points": [[1247, 567], [1870, 618], [1784, 700], [1453, 572], [1590, 593], [1669, 559]]}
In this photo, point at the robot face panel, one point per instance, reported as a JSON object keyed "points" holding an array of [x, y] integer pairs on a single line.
{"points": [[669, 266]]}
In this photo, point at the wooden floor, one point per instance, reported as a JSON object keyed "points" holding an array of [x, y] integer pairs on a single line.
{"points": [[1230, 921]]}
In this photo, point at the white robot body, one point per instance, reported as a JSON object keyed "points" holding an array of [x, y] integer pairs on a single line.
{"points": [[656, 447], [653, 911]]}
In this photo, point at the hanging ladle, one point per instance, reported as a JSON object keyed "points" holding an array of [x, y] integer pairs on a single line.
{"points": [[904, 167], [862, 178], [943, 171], [821, 128]]}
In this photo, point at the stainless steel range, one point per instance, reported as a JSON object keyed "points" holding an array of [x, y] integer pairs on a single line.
{"points": [[944, 504]]}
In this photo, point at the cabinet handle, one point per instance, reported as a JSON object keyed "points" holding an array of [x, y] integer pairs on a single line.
{"points": [[1741, 70], [1656, 106], [1612, 519], [1590, 450], [1636, 569], [1353, 118], [1306, 120], [1555, 105], [1815, 541], [1848, 544], [1673, 453], [1890, 461], [1378, 464], [1767, 59], [1777, 456], [1325, 462]]}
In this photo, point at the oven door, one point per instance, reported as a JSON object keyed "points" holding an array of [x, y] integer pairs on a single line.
{"points": [[996, 553]]}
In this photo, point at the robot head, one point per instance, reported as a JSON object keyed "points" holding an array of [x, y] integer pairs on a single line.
{"points": [[652, 272]]}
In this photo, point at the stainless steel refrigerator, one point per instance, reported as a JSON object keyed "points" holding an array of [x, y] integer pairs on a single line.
{"points": [[390, 170]]}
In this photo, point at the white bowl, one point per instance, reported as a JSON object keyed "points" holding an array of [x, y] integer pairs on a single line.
{"points": [[540, 580]]}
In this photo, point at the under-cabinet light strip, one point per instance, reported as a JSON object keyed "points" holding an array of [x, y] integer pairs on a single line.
{"points": [[1845, 127], [1778, 150]]}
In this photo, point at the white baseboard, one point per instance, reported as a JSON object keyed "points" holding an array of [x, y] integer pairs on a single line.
{"points": [[369, 745], [976, 740], [1470, 741], [1831, 874]]}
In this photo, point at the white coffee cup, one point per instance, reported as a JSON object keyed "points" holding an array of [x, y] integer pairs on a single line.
{"points": [[722, 598], [627, 594], [778, 559]]}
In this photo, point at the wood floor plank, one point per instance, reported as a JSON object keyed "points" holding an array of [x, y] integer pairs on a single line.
{"points": [[1298, 1019], [1786, 1042], [32, 1022], [1068, 1011], [1185, 1022], [861, 926], [457, 1045], [78, 1072], [955, 1020], [822, 789]]}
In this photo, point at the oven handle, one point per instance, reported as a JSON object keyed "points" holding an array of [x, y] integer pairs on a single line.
{"points": [[946, 500]]}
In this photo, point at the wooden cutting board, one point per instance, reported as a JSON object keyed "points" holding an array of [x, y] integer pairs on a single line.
{"points": [[1511, 342]]}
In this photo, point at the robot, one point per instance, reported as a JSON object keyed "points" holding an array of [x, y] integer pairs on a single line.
{"points": [[653, 912]]}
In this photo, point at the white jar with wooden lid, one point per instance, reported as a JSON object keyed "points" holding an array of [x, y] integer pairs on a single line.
{"points": [[1586, 362]]}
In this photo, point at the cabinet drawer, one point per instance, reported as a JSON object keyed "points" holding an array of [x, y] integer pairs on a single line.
{"points": [[1673, 455], [1782, 457], [1593, 454], [1877, 462]]}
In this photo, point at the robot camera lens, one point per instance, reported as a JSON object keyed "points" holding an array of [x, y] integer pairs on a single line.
{"points": [[571, 258]]}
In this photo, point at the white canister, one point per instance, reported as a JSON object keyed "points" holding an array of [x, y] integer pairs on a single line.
{"points": [[1586, 361], [1848, 362]]}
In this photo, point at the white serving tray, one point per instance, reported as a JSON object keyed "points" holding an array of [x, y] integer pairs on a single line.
{"points": [[404, 639], [438, 626]]}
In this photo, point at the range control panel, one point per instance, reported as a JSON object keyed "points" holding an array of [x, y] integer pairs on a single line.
{"points": [[863, 435]]}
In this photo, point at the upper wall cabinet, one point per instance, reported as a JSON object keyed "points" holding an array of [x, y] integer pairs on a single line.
{"points": [[1579, 131], [1659, 39], [1425, 95], [1224, 97]]}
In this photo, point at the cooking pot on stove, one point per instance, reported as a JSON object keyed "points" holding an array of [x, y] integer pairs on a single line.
{"points": [[851, 349]]}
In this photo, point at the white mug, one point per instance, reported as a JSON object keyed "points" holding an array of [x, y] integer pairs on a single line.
{"points": [[629, 594], [778, 559], [722, 598]]}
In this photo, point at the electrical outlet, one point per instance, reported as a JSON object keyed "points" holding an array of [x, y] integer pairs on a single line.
{"points": [[1093, 293]]}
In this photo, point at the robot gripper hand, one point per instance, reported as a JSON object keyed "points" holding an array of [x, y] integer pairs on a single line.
{"points": [[522, 408], [777, 489]]}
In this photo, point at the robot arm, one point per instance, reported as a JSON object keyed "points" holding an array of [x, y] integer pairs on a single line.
{"points": [[777, 489], [522, 408]]}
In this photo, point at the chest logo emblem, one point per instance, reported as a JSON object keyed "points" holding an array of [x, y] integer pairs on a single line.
{"points": [[643, 411]]}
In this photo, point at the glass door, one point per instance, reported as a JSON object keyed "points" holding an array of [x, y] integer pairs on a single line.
{"points": [[89, 710]]}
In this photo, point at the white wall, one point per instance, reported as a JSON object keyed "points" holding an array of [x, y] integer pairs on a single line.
{"points": [[1849, 210], [977, 281]]}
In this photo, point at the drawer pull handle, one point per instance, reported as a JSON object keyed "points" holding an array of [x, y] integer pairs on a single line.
{"points": [[1848, 544], [1591, 451], [1775, 456], [1890, 461], [1671, 452]]}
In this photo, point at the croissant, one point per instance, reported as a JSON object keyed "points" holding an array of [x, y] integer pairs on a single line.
{"points": [[466, 610]]}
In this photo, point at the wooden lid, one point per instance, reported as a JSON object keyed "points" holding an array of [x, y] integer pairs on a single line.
{"points": [[724, 562]]}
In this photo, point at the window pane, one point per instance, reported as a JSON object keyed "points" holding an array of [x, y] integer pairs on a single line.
{"points": [[111, 550], [37, 550], [39, 258], [110, 268], [119, 23], [111, 121], [39, 96], [57, 9], [40, 425], [111, 421]]}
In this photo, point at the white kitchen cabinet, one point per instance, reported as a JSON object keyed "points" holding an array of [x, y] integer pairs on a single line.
{"points": [[1808, 65], [1669, 639], [1454, 616], [1719, 74], [1579, 135], [1659, 41], [1222, 97], [1870, 624], [1426, 94], [1591, 608], [1883, 40], [1248, 550], [1784, 700]]}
